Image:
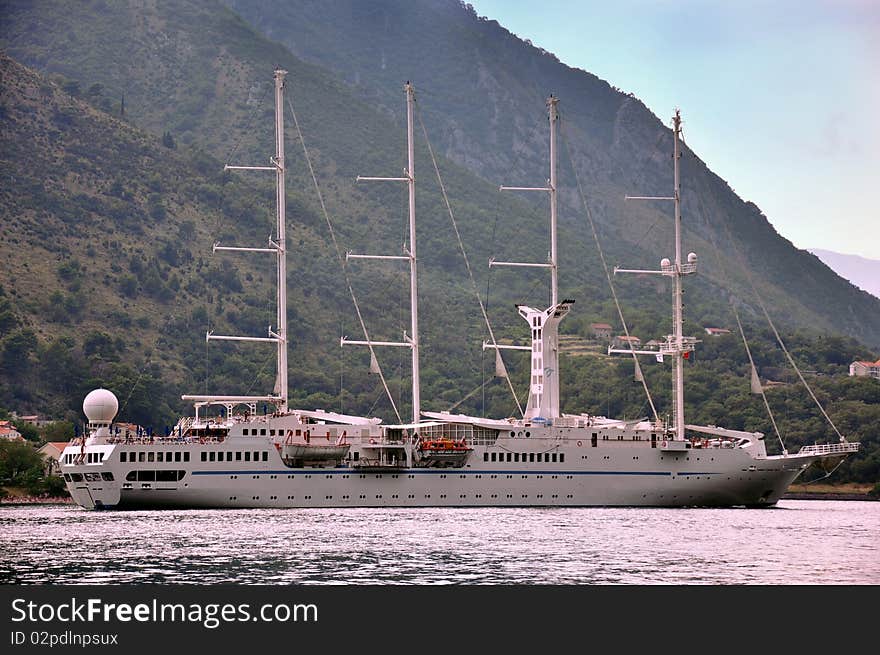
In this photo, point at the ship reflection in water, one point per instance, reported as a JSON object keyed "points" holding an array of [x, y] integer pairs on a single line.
{"points": [[61, 544]]}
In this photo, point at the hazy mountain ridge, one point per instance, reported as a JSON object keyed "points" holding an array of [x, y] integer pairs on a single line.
{"points": [[860, 271]]}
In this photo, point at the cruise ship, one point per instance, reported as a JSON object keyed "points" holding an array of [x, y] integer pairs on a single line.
{"points": [[286, 458]]}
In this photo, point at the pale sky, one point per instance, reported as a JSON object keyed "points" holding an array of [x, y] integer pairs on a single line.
{"points": [[781, 98]]}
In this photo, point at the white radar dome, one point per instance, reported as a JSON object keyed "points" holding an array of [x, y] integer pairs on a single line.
{"points": [[665, 262], [100, 406], [692, 257]]}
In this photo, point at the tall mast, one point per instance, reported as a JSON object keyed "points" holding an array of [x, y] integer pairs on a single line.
{"points": [[677, 345], [554, 292], [281, 243], [410, 341], [413, 273], [677, 326], [278, 247], [544, 323]]}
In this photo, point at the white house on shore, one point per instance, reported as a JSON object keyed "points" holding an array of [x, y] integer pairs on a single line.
{"points": [[9, 433], [863, 369]]}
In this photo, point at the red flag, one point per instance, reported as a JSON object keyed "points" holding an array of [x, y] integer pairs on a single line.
{"points": [[686, 355]]}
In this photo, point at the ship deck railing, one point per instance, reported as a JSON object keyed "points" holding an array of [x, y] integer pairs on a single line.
{"points": [[830, 448], [164, 440], [378, 465]]}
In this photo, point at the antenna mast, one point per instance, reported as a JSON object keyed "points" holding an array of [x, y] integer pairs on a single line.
{"points": [[677, 345]]}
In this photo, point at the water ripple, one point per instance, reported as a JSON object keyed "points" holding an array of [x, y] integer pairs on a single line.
{"points": [[800, 542]]}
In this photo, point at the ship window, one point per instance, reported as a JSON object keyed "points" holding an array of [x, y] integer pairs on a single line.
{"points": [[212, 456], [204, 457], [265, 455], [229, 456], [177, 456], [531, 457], [247, 456], [364, 433], [77, 477], [159, 457], [122, 456], [107, 475], [509, 456], [493, 456], [238, 456], [256, 456], [553, 457], [146, 476], [485, 457], [263, 432], [132, 476], [186, 457], [271, 433], [356, 455], [594, 440], [516, 457], [245, 432], [166, 476], [561, 457]]}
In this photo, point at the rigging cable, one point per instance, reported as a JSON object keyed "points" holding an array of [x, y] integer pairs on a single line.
{"points": [[725, 275], [342, 261], [794, 365], [761, 387], [589, 213], [464, 255]]}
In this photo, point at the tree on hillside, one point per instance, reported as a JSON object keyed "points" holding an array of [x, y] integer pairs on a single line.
{"points": [[58, 431], [17, 460]]}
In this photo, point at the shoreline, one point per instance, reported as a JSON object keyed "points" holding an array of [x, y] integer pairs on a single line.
{"points": [[36, 500], [825, 495]]}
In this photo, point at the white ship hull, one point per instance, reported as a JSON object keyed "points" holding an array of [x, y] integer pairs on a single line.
{"points": [[634, 472]]}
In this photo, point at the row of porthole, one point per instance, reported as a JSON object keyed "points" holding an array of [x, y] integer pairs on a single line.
{"points": [[477, 476], [411, 496], [688, 458], [362, 476]]}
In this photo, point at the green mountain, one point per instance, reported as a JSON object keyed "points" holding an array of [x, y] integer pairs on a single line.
{"points": [[485, 90], [113, 142]]}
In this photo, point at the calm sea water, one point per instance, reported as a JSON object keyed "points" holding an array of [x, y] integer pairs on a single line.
{"points": [[798, 542]]}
